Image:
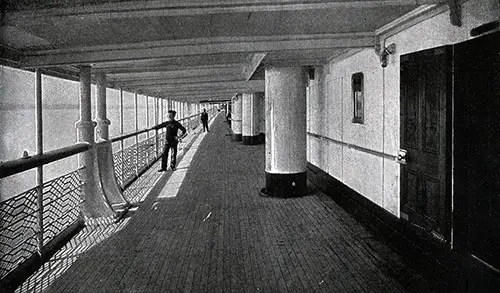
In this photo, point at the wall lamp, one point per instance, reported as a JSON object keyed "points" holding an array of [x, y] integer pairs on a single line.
{"points": [[385, 52]]}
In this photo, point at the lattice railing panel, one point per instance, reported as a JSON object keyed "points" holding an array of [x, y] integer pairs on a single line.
{"points": [[61, 203], [129, 164], [18, 218], [18, 230], [132, 160], [118, 164], [161, 142], [151, 150], [142, 148]]}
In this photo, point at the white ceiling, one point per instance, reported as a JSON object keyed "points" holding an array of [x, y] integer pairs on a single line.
{"points": [[191, 49]]}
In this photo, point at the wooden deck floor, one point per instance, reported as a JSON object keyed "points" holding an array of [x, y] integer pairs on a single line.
{"points": [[218, 235]]}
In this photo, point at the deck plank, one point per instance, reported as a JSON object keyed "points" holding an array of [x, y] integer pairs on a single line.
{"points": [[248, 244]]}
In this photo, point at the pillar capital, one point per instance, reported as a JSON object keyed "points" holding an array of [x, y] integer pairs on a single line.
{"points": [[104, 121], [85, 131]]}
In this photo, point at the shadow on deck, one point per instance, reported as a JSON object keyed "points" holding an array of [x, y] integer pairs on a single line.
{"points": [[217, 234]]}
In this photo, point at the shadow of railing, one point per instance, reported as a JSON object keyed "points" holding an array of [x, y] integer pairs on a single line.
{"points": [[100, 229]]}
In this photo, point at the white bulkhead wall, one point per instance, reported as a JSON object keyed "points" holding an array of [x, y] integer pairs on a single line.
{"points": [[330, 106]]}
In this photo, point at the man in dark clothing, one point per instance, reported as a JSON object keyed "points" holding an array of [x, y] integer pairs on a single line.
{"points": [[172, 127], [204, 120]]}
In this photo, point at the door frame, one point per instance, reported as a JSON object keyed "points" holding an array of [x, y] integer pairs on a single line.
{"points": [[432, 238]]}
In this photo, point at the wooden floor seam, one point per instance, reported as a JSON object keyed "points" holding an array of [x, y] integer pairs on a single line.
{"points": [[219, 235]]}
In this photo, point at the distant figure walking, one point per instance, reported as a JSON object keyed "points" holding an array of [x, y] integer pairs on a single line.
{"points": [[204, 120], [172, 127]]}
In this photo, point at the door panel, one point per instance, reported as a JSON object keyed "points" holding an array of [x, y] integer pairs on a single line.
{"points": [[431, 194], [425, 135], [477, 87]]}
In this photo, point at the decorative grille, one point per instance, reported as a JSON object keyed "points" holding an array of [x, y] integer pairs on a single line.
{"points": [[19, 224], [61, 202]]}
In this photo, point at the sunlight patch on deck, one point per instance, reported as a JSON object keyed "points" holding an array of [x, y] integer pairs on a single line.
{"points": [[174, 183]]}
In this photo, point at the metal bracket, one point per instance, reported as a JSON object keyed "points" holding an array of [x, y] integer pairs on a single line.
{"points": [[401, 158]]}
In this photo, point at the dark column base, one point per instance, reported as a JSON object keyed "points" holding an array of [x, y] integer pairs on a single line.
{"points": [[237, 137], [285, 185], [250, 140]]}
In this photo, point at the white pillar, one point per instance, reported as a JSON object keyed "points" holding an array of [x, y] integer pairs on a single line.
{"points": [[262, 117], [236, 117], [250, 119], [103, 196], [85, 127], [102, 121], [286, 131]]}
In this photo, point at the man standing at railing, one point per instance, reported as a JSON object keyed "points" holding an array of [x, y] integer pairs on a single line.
{"points": [[204, 120], [172, 127]]}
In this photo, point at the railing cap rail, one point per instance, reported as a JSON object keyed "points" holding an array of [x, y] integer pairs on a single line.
{"points": [[16, 166], [131, 134], [23, 164]]}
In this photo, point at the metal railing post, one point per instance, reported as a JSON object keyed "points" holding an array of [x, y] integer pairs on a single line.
{"points": [[121, 131], [136, 123], [160, 119], [147, 126], [155, 113], [147, 114], [157, 142], [39, 148]]}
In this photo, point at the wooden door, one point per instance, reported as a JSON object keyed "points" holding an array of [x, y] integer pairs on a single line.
{"points": [[477, 192], [425, 135]]}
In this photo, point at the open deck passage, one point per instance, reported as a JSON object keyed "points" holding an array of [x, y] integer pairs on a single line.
{"points": [[218, 234]]}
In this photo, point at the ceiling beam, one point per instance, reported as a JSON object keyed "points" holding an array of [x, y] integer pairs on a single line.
{"points": [[411, 18], [188, 72], [344, 55], [10, 55], [294, 62], [146, 9], [219, 85], [137, 68], [195, 47], [177, 80], [252, 65], [197, 98], [200, 92]]}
